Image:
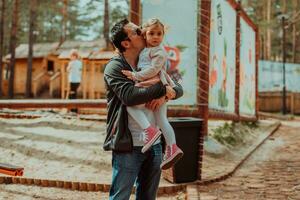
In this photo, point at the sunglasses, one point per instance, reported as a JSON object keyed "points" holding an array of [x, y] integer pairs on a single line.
{"points": [[136, 31]]}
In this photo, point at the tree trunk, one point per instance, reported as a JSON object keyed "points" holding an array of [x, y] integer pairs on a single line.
{"points": [[30, 47], [13, 42], [264, 31], [283, 6], [1, 42], [296, 6], [269, 36], [106, 24], [64, 21]]}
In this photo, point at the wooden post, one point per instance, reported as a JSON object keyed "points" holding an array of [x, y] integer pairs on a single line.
{"points": [[292, 96], [62, 79], [84, 78], [135, 12], [203, 39], [92, 83], [237, 61], [257, 49]]}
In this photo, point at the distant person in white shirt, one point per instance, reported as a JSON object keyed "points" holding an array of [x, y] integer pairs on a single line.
{"points": [[74, 70]]}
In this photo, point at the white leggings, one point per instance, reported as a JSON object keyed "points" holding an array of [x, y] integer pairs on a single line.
{"points": [[161, 120]]}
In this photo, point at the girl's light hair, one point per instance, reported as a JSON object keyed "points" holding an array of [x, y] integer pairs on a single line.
{"points": [[153, 21], [74, 52]]}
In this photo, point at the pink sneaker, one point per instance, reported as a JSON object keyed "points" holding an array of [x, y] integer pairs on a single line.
{"points": [[172, 155], [151, 135]]}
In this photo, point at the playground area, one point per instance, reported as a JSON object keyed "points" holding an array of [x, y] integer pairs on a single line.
{"points": [[214, 49], [61, 147]]}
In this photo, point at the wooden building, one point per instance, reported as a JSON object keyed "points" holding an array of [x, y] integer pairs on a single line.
{"points": [[94, 86], [5, 77], [42, 68], [93, 57], [50, 61]]}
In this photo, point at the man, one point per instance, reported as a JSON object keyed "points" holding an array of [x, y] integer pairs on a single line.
{"points": [[129, 164]]}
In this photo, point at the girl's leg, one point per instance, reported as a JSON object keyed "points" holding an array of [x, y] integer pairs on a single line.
{"points": [[163, 123], [151, 133], [173, 153], [139, 116]]}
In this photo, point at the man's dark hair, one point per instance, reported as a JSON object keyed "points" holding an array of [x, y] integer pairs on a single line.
{"points": [[118, 34]]}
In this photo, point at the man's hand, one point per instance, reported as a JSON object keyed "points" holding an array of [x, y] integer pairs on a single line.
{"points": [[155, 103], [129, 74], [170, 92]]}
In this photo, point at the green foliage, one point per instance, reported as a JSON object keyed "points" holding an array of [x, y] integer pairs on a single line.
{"points": [[116, 14], [233, 134], [257, 11], [82, 19], [225, 135]]}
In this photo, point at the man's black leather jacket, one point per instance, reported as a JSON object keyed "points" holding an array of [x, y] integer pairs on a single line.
{"points": [[121, 92]]}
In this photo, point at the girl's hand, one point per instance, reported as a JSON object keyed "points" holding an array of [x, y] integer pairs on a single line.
{"points": [[155, 103], [148, 82], [170, 93], [129, 74]]}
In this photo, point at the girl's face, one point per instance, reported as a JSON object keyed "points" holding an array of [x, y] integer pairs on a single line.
{"points": [[154, 35]]}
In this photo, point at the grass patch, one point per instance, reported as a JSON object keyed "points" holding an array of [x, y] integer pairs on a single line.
{"points": [[233, 134]]}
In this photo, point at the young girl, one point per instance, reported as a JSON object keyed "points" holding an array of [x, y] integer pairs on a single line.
{"points": [[152, 63]]}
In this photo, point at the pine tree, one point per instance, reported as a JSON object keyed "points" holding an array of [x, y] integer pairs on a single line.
{"points": [[266, 14], [33, 4], [13, 42], [106, 23], [1, 41]]}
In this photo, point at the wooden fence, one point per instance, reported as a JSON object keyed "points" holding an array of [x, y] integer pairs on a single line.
{"points": [[272, 102]]}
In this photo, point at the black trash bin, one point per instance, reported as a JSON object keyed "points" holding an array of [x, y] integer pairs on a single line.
{"points": [[187, 131]]}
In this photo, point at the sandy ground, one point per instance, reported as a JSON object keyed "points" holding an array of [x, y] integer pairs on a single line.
{"points": [[56, 148], [53, 148]]}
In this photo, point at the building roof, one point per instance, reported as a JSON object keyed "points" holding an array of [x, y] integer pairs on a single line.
{"points": [[40, 50], [85, 48], [99, 55]]}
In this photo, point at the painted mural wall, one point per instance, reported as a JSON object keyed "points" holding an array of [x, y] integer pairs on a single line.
{"points": [[247, 69], [180, 19], [222, 65], [271, 76]]}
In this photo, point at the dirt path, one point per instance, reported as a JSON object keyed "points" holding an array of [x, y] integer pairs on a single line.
{"points": [[272, 173]]}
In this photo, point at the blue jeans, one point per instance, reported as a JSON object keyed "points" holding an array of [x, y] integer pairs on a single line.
{"points": [[143, 169]]}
